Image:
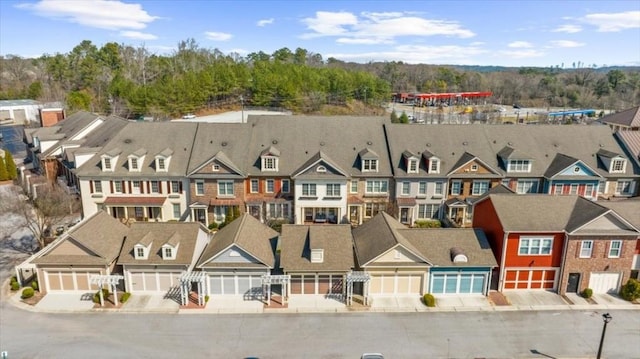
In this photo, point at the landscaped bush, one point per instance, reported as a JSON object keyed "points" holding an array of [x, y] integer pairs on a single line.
{"points": [[206, 298], [105, 294], [429, 300], [587, 293], [15, 286], [28, 292], [631, 290], [212, 226], [34, 285], [125, 296], [424, 223]]}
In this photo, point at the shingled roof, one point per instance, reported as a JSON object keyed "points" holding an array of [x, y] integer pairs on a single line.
{"points": [[629, 117], [297, 241]]}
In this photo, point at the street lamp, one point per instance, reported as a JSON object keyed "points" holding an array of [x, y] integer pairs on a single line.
{"points": [[606, 318]]}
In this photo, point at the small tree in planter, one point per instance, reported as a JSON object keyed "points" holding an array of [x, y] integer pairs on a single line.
{"points": [[587, 293], [28, 292]]}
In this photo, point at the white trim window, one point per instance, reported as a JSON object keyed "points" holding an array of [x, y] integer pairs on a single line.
{"points": [[456, 187], [134, 164], [377, 187], [285, 186], [141, 252], [586, 248], [177, 212], [117, 186], [97, 186], [333, 190], [354, 186], [412, 167], [175, 186], [136, 187], [162, 164], [370, 165], [269, 163], [519, 166], [624, 187], [199, 187], [106, 164], [422, 188], [225, 188], [618, 165], [434, 165], [558, 189], [527, 186], [406, 186], [573, 189], [535, 246], [154, 186], [439, 189], [255, 186], [588, 190], [309, 189], [428, 211], [270, 185], [479, 187], [615, 248], [277, 210]]}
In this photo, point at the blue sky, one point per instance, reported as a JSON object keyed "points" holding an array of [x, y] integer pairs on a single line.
{"points": [[506, 33]]}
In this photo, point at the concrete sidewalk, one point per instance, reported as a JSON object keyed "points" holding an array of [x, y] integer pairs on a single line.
{"points": [[158, 303]]}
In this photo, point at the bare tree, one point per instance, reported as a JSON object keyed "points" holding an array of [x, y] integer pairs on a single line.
{"points": [[41, 215]]}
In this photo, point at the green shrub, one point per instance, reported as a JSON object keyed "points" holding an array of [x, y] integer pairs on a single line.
{"points": [[125, 296], [429, 300], [34, 285], [206, 298], [105, 294], [587, 293], [426, 223], [212, 226], [631, 290], [14, 279], [15, 286], [28, 292]]}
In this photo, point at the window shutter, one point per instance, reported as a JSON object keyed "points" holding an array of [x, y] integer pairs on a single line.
{"points": [[168, 186], [90, 186], [129, 186], [110, 186], [180, 186]]}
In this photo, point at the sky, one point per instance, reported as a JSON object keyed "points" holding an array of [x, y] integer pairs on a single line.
{"points": [[473, 32]]}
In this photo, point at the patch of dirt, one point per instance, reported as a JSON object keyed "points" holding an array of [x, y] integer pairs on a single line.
{"points": [[33, 300], [498, 299]]}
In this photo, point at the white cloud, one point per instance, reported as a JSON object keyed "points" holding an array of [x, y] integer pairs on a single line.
{"points": [[520, 45], [138, 35], [566, 43], [614, 22], [568, 28], [522, 54], [102, 14], [217, 36], [416, 54], [265, 22], [376, 28]]}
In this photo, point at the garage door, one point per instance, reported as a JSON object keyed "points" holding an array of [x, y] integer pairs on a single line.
{"points": [[69, 281], [530, 279], [458, 283], [153, 281], [604, 282], [296, 284], [234, 284], [396, 284]]}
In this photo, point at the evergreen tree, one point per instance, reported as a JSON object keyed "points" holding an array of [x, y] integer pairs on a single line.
{"points": [[394, 116], [4, 175], [10, 165], [404, 118]]}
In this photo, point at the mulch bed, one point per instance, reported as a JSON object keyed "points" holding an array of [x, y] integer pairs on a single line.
{"points": [[192, 303], [276, 303], [498, 299], [33, 300], [109, 303]]}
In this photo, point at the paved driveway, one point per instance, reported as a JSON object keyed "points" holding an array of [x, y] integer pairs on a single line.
{"points": [[534, 298]]}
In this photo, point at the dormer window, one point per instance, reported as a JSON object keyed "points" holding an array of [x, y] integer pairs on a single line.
{"points": [[162, 160], [618, 165], [317, 255], [168, 252], [133, 164], [434, 165], [413, 166], [140, 251], [370, 165], [519, 166], [162, 167], [269, 163], [106, 164]]}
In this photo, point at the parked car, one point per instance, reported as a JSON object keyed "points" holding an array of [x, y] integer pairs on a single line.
{"points": [[320, 218], [189, 116], [515, 105]]}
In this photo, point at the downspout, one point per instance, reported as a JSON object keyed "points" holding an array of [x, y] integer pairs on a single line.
{"points": [[564, 259], [502, 260]]}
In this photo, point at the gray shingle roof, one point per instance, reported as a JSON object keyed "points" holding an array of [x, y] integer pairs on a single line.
{"points": [[629, 209], [629, 117], [540, 143], [101, 234], [232, 139], [158, 234], [299, 138], [247, 233], [154, 137], [297, 241]]}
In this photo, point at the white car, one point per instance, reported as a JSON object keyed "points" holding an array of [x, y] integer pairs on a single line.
{"points": [[189, 116]]}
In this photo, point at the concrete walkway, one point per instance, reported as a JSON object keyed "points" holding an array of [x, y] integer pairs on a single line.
{"points": [[158, 303]]}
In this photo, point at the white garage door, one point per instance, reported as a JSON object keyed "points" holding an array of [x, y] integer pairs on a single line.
{"points": [[234, 284], [399, 284], [154, 281], [604, 282]]}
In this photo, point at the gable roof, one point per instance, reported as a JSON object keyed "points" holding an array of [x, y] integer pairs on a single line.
{"points": [[629, 117], [630, 140], [544, 213], [379, 235], [296, 242], [248, 234], [229, 139], [157, 234], [629, 209], [101, 235], [299, 138], [316, 159], [539, 144]]}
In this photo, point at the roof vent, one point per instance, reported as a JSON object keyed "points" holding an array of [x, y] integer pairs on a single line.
{"points": [[369, 143], [601, 145], [465, 143], [224, 144], [428, 144], [275, 142], [508, 143], [458, 256], [321, 143], [127, 140]]}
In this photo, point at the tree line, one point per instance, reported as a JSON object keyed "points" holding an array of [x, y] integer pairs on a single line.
{"points": [[131, 81]]}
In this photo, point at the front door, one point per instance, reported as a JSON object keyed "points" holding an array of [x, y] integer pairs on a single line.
{"points": [[404, 215], [572, 283]]}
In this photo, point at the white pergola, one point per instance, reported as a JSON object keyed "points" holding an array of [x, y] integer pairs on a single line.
{"points": [[357, 277], [107, 279], [186, 278], [268, 280]]}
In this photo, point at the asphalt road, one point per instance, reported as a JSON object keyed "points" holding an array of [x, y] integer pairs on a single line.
{"points": [[563, 334]]}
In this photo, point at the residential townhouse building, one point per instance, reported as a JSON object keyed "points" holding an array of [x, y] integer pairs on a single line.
{"points": [[140, 174], [626, 120], [563, 244]]}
